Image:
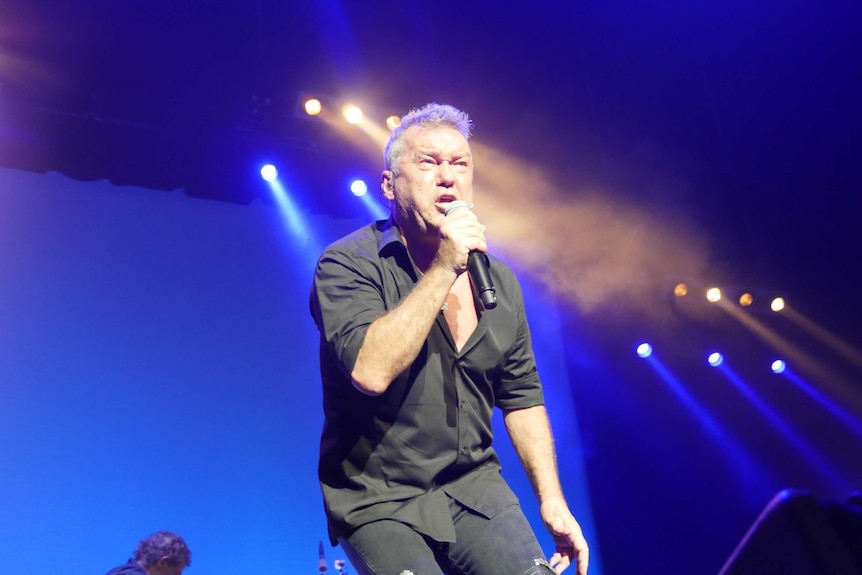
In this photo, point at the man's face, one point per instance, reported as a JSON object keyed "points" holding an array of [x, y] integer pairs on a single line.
{"points": [[435, 168]]}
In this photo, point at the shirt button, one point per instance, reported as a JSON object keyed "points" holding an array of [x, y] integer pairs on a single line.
{"points": [[465, 450]]}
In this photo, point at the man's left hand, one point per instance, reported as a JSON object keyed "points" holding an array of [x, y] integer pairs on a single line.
{"points": [[568, 537]]}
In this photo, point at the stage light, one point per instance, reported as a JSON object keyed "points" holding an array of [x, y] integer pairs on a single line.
{"points": [[778, 366], [713, 294], [715, 359], [359, 188], [269, 173], [644, 350], [312, 107], [352, 113], [392, 122], [753, 299]]}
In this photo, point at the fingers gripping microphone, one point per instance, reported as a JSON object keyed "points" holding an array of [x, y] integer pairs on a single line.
{"points": [[477, 265]]}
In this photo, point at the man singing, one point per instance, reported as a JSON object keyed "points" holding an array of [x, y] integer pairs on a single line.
{"points": [[412, 367]]}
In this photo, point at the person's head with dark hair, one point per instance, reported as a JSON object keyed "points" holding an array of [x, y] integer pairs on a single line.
{"points": [[163, 553]]}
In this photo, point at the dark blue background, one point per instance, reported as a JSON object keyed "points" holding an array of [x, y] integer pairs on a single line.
{"points": [[157, 361]]}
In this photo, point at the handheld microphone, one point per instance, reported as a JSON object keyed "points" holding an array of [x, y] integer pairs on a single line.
{"points": [[477, 266]]}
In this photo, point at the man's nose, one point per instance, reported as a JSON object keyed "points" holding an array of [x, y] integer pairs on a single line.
{"points": [[445, 174]]}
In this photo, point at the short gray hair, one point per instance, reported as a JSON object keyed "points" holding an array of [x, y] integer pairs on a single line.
{"points": [[431, 115]]}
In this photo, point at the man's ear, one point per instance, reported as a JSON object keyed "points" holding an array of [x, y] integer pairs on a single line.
{"points": [[387, 186]]}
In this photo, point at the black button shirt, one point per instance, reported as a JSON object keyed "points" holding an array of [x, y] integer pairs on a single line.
{"points": [[397, 455]]}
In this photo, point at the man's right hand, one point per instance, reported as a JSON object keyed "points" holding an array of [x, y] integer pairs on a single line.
{"points": [[460, 233]]}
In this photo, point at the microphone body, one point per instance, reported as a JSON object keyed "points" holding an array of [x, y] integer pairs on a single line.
{"points": [[477, 267]]}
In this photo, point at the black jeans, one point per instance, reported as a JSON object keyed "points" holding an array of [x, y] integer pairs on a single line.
{"points": [[502, 545]]}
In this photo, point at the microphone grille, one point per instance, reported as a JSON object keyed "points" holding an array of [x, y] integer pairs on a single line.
{"points": [[454, 206]]}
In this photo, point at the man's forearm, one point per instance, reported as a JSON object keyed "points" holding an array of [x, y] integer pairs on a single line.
{"points": [[393, 341], [530, 431]]}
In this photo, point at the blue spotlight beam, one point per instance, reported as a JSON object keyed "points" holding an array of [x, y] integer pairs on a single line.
{"points": [[852, 423], [846, 390], [294, 219], [752, 473], [375, 208], [811, 454]]}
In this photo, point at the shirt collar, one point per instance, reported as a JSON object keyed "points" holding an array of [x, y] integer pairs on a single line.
{"points": [[392, 244], [389, 234]]}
